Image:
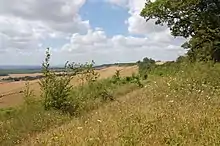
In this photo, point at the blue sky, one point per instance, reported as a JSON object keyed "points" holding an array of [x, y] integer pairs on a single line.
{"points": [[106, 31], [109, 17]]}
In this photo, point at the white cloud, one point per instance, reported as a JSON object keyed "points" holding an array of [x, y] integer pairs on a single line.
{"points": [[95, 45], [56, 14], [24, 24], [20, 34], [136, 23], [118, 2], [120, 48]]}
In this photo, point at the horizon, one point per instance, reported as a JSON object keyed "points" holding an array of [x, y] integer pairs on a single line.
{"points": [[102, 30], [39, 66]]}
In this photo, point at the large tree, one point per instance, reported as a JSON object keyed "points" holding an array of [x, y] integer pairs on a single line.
{"points": [[197, 19]]}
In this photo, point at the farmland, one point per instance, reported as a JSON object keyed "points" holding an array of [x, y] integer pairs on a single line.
{"points": [[12, 95]]}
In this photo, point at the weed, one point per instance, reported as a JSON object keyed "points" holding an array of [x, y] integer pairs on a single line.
{"points": [[86, 72], [116, 78], [28, 94]]}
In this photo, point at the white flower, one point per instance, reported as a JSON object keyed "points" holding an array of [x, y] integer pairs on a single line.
{"points": [[171, 101], [99, 121], [79, 128]]}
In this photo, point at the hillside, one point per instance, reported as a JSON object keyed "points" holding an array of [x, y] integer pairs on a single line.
{"points": [[171, 110], [169, 98], [178, 105]]}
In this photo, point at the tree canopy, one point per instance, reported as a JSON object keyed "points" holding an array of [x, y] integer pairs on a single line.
{"points": [[198, 20]]}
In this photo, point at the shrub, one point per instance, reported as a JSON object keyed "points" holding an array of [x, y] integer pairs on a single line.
{"points": [[137, 79], [56, 90], [116, 78], [145, 67], [86, 72]]}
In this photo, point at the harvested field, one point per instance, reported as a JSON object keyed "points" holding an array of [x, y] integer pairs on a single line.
{"points": [[11, 92]]}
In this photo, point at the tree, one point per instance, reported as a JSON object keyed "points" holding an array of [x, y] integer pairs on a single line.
{"points": [[145, 66], [198, 20]]}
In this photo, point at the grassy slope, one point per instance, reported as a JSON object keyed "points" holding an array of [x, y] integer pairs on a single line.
{"points": [[19, 123], [177, 109]]}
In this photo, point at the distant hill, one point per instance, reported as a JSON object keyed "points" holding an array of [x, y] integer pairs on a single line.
{"points": [[19, 67]]}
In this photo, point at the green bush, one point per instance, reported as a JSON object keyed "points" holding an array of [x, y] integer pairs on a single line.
{"points": [[56, 90], [87, 73], [116, 78], [145, 67]]}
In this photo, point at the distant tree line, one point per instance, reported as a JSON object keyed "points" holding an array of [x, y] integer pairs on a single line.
{"points": [[115, 64], [3, 74], [26, 78]]}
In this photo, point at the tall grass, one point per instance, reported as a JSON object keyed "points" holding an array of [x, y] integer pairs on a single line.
{"points": [[31, 118], [180, 108]]}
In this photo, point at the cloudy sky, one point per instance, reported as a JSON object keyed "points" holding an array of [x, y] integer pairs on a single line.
{"points": [[81, 30]]}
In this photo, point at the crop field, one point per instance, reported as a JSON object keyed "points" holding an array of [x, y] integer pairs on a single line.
{"points": [[11, 92]]}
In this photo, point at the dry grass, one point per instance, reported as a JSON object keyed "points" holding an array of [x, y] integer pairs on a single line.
{"points": [[31, 118], [174, 110]]}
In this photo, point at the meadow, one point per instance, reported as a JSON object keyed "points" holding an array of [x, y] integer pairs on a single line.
{"points": [[177, 105]]}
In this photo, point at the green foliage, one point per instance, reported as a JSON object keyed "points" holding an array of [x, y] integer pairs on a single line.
{"points": [[136, 79], [86, 72], [59, 94], [28, 94], [198, 19], [168, 68], [55, 90], [182, 59], [116, 77], [3, 74], [145, 66]]}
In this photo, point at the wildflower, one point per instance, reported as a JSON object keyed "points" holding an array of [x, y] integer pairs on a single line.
{"points": [[79, 128], [99, 121], [171, 101]]}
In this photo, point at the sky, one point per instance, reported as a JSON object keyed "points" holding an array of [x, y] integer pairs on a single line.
{"points": [[106, 31]]}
